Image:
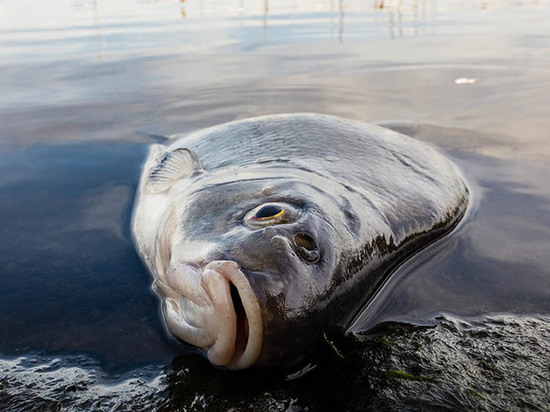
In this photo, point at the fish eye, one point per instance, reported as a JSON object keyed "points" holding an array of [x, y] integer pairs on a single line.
{"points": [[271, 214]]}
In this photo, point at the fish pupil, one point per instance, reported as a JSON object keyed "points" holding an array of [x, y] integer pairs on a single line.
{"points": [[268, 211]]}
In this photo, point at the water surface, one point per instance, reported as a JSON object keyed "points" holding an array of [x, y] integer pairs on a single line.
{"points": [[84, 82]]}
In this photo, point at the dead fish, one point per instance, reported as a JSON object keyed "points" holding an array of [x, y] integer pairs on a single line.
{"points": [[263, 233]]}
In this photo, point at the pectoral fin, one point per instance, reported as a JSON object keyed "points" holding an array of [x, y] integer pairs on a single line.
{"points": [[169, 168]]}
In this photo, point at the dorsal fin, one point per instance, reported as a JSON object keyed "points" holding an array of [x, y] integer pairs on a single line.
{"points": [[400, 126], [155, 137], [171, 167]]}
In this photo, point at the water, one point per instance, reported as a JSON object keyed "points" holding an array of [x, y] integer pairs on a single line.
{"points": [[500, 364], [84, 82]]}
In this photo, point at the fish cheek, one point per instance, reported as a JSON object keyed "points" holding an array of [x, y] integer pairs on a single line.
{"points": [[293, 325]]}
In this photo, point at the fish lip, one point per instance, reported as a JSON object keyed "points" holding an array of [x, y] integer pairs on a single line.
{"points": [[214, 308]]}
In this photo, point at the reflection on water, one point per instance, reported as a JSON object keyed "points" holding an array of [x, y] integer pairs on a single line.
{"points": [[83, 83], [106, 25], [98, 33], [105, 69]]}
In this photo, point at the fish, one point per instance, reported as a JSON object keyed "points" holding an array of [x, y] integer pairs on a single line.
{"points": [[263, 234]]}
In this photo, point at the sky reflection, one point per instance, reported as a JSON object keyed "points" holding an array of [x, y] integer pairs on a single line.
{"points": [[128, 27]]}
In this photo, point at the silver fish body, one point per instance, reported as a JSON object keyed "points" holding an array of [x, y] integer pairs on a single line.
{"points": [[263, 233]]}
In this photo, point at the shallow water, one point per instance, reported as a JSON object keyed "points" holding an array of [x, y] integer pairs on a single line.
{"points": [[84, 82], [490, 363]]}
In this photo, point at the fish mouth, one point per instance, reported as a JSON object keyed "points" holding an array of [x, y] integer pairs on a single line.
{"points": [[215, 309]]}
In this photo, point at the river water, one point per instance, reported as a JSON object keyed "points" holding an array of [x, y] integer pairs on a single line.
{"points": [[86, 86]]}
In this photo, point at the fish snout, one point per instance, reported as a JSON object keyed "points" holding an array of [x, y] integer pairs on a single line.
{"points": [[216, 310]]}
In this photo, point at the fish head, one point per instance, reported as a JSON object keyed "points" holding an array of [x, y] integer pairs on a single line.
{"points": [[282, 243], [243, 266]]}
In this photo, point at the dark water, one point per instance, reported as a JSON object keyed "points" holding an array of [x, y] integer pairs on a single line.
{"points": [[493, 363], [82, 82], [71, 281]]}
